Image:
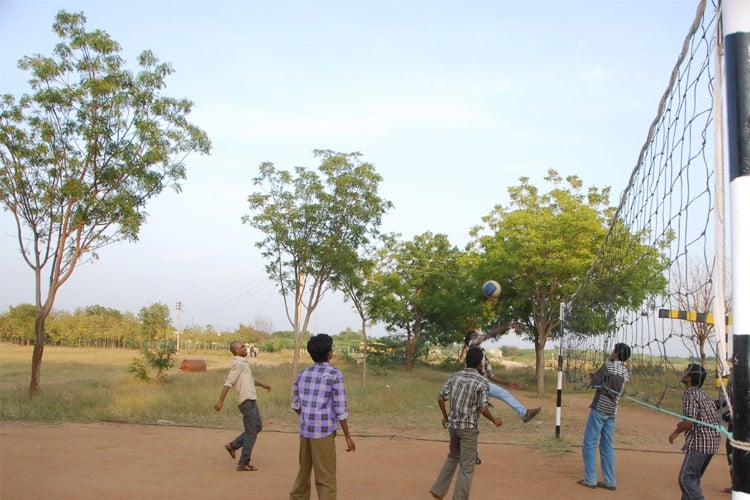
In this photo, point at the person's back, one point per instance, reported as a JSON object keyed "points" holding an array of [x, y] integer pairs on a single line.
{"points": [[468, 392], [320, 401]]}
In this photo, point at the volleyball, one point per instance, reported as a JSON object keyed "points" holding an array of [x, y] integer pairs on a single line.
{"points": [[491, 289]]}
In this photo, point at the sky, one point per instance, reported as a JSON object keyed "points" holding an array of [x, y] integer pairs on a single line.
{"points": [[452, 102]]}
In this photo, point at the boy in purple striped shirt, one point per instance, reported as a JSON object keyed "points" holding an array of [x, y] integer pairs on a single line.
{"points": [[320, 401]]}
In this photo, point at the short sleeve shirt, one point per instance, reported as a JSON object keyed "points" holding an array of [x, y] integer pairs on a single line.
{"points": [[467, 392]]}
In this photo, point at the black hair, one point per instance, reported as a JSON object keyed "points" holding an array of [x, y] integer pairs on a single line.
{"points": [[319, 346], [696, 373], [468, 336], [622, 351], [474, 357]]}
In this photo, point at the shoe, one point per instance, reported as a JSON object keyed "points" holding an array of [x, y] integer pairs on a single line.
{"points": [[230, 450], [600, 484], [583, 482], [246, 467], [479, 460], [530, 414], [727, 490]]}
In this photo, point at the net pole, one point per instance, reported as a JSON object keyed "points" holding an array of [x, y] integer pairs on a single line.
{"points": [[558, 406], [736, 25], [720, 233]]}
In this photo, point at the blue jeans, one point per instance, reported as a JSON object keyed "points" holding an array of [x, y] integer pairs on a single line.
{"points": [[599, 427], [506, 397]]}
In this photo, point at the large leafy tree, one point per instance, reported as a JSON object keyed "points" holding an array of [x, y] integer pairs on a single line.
{"points": [[83, 153], [540, 249], [313, 226], [418, 290]]}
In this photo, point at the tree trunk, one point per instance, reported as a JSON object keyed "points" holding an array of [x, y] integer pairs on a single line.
{"points": [[36, 357], [539, 351], [409, 353], [364, 354]]}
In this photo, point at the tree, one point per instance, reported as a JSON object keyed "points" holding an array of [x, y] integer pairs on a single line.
{"points": [[540, 250], [155, 323], [694, 292], [17, 325], [313, 224], [83, 154], [356, 288], [416, 289]]}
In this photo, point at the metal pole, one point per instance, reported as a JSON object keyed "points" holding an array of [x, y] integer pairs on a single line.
{"points": [[558, 408], [736, 24]]}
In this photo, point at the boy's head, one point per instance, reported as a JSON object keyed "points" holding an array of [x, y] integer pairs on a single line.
{"points": [[621, 351], [694, 373], [238, 348], [469, 337], [474, 357], [319, 346]]}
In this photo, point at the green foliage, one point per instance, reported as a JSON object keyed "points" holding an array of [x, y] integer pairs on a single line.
{"points": [[313, 225], [418, 291], [540, 250], [155, 322], [138, 368], [17, 325], [156, 360], [83, 153]]}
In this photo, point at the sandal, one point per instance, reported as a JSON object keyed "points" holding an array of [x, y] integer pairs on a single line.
{"points": [[246, 468], [230, 450]]}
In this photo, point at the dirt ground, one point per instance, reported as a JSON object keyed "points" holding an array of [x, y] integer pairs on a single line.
{"points": [[123, 461]]}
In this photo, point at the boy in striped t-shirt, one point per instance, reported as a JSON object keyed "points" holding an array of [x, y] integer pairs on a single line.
{"points": [[609, 381]]}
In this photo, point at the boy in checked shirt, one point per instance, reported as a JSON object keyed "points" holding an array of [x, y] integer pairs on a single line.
{"points": [[320, 401]]}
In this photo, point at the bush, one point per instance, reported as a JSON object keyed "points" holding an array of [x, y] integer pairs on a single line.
{"points": [[158, 360]]}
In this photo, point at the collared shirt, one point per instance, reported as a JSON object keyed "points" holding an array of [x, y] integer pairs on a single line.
{"points": [[609, 380], [467, 392], [241, 379], [320, 396], [476, 341], [698, 405]]}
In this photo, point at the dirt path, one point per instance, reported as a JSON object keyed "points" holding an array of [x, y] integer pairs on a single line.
{"points": [[121, 461]]}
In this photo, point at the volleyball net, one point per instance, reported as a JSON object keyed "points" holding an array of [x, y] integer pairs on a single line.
{"points": [[667, 236]]}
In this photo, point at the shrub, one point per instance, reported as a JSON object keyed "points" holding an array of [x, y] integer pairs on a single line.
{"points": [[158, 360]]}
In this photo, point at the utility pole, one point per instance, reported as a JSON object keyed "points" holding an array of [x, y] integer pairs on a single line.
{"points": [[179, 327]]}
